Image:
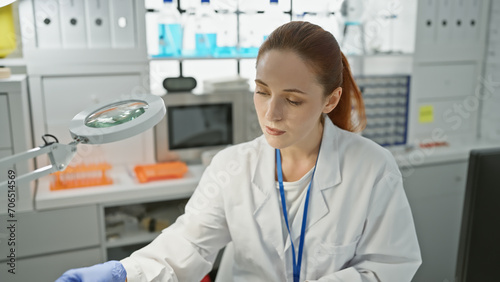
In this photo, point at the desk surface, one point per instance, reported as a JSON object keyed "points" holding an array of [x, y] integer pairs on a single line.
{"points": [[127, 190], [432, 156]]}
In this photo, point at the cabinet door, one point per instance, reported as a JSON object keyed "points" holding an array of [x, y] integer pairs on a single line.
{"points": [[52, 231], [65, 97], [49, 267], [3, 177], [5, 134], [436, 195]]}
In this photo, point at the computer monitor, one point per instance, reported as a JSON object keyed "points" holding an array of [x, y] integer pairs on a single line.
{"points": [[197, 123], [479, 246]]}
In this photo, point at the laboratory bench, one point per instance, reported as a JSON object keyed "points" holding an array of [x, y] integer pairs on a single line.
{"points": [[434, 180], [168, 196], [124, 190]]}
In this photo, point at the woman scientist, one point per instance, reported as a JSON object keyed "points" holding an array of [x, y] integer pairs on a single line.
{"points": [[307, 201]]}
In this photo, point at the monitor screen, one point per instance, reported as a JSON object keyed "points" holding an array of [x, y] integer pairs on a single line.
{"points": [[479, 248], [204, 125]]}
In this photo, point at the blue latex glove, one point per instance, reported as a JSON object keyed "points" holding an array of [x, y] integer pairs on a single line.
{"points": [[111, 271]]}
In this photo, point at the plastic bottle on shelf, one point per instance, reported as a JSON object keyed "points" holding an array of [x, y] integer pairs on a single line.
{"points": [[206, 30], [189, 36], [324, 18], [272, 18], [250, 36], [226, 34], [169, 30]]}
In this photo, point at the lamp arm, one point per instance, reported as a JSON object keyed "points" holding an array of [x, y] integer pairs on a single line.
{"points": [[59, 154]]}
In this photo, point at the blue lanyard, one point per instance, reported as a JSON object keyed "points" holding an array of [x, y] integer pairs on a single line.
{"points": [[296, 263]]}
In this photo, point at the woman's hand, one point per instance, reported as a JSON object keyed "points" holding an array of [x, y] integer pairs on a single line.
{"points": [[111, 271]]}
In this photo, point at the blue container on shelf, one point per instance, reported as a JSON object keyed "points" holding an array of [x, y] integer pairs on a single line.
{"points": [[226, 34], [206, 43], [169, 31], [170, 36], [205, 30]]}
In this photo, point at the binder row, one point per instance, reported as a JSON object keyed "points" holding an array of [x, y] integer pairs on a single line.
{"points": [[87, 24]]}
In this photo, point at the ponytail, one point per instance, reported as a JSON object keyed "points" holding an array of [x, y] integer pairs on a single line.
{"points": [[349, 114]]}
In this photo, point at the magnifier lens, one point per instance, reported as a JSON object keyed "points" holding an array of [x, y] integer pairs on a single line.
{"points": [[116, 114]]}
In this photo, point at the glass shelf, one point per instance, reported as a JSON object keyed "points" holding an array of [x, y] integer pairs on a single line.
{"points": [[158, 58], [372, 55]]}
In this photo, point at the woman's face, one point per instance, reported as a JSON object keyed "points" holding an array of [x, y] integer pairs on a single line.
{"points": [[288, 99]]}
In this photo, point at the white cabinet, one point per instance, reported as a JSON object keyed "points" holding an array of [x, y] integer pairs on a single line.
{"points": [[5, 137], [49, 267], [47, 243], [15, 136], [436, 195], [42, 232]]}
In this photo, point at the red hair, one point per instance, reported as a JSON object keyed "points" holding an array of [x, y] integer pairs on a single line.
{"points": [[321, 52]]}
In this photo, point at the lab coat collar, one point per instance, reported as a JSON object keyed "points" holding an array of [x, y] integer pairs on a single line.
{"points": [[327, 176], [267, 213]]}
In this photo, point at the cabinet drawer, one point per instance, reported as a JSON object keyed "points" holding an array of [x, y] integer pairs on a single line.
{"points": [[49, 267], [3, 177], [53, 231]]}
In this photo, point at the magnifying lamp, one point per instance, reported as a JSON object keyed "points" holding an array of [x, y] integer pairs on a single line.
{"points": [[102, 123]]}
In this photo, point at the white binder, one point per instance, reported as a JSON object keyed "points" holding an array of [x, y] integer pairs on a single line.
{"points": [[122, 23], [47, 24], [98, 23], [73, 27]]}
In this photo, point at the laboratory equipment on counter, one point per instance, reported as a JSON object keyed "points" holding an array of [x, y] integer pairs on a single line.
{"points": [[180, 83], [81, 175], [229, 83], [159, 171], [169, 30], [197, 123], [99, 124]]}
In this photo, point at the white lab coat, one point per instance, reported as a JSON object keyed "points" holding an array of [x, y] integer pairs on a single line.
{"points": [[359, 225]]}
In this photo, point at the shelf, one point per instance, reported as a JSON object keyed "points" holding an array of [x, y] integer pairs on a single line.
{"points": [[12, 62], [132, 238], [197, 58], [126, 189], [378, 55]]}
